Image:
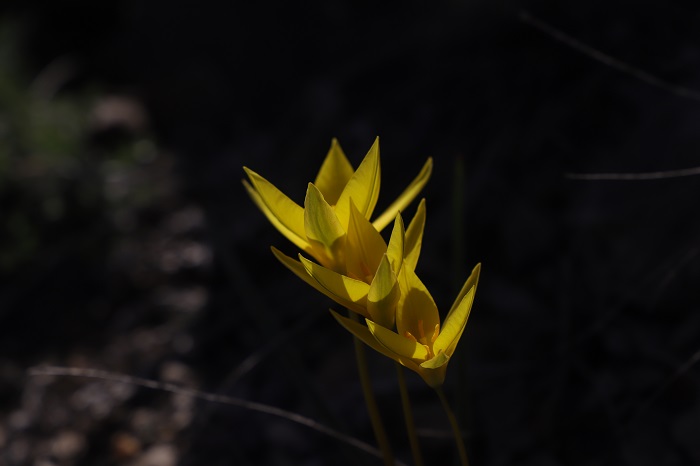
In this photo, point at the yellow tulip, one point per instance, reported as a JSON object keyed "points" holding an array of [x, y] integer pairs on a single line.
{"points": [[320, 227], [370, 285], [420, 343]]}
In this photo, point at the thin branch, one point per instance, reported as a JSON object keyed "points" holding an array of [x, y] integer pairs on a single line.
{"points": [[274, 344], [228, 400], [685, 367], [526, 17], [660, 175]]}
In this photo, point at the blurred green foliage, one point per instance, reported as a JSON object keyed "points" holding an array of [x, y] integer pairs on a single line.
{"points": [[40, 149], [57, 177]]}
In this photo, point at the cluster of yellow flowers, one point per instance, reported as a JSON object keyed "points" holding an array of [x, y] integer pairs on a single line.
{"points": [[360, 271]]}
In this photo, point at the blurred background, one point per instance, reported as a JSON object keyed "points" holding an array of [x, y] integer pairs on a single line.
{"points": [[127, 242]]}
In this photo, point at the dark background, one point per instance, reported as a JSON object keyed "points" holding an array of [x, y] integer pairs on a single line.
{"points": [[128, 243]]}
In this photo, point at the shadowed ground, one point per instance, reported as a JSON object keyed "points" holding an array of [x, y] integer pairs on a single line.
{"points": [[129, 244]]}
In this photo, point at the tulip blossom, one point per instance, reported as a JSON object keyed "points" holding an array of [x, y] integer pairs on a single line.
{"points": [[320, 228], [419, 343], [369, 285]]}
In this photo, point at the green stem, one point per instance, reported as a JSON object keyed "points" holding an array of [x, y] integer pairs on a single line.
{"points": [[370, 401], [408, 417], [455, 427]]}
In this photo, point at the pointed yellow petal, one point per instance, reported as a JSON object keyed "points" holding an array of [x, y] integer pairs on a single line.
{"points": [[286, 215], [383, 295], [363, 187], [414, 237], [323, 230], [472, 281], [454, 327], [341, 289], [396, 343], [363, 333], [289, 234], [359, 330], [416, 312], [440, 360], [334, 174], [406, 197], [395, 248], [456, 320], [298, 269], [364, 247]]}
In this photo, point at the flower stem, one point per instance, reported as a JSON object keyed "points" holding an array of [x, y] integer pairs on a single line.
{"points": [[408, 417], [455, 427], [370, 401]]}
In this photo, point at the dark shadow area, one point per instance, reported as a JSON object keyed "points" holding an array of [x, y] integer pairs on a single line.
{"points": [[128, 243]]}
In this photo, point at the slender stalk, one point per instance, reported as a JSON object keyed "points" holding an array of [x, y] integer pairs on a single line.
{"points": [[455, 427], [408, 417], [370, 401]]}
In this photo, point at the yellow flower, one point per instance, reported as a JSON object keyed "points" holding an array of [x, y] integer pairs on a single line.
{"points": [[420, 344], [320, 227], [369, 286]]}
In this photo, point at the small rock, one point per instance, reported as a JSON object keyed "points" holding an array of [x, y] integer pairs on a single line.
{"points": [[158, 455], [67, 444], [125, 446]]}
